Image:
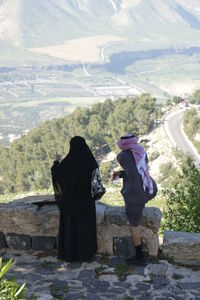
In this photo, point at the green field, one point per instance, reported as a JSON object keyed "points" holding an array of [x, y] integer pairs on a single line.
{"points": [[70, 102], [112, 197], [17, 118]]}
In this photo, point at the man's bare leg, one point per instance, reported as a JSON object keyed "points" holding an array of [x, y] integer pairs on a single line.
{"points": [[139, 257], [135, 236]]}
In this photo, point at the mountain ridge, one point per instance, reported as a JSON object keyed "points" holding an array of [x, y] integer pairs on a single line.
{"points": [[34, 24]]}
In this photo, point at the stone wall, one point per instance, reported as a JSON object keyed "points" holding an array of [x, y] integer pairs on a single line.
{"points": [[32, 223], [183, 247]]}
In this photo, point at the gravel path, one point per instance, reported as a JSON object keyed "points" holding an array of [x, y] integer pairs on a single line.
{"points": [[103, 278]]}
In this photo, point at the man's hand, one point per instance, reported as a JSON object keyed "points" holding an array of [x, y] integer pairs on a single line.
{"points": [[58, 157], [115, 175]]}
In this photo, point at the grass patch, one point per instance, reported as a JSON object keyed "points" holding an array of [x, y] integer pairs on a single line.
{"points": [[153, 259], [58, 292], [73, 102], [177, 276], [113, 196], [99, 270], [167, 257], [15, 196], [195, 268], [127, 297], [104, 259], [32, 297], [158, 201], [122, 270], [7, 198], [46, 264], [18, 254], [170, 259]]}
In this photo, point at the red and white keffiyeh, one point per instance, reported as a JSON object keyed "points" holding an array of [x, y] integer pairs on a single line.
{"points": [[131, 143]]}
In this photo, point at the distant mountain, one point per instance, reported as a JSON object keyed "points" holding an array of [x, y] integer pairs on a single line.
{"points": [[36, 23], [155, 12]]}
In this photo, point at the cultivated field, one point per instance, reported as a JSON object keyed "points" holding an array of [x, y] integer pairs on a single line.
{"points": [[89, 49]]}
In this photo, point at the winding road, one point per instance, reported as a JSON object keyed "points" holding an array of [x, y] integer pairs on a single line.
{"points": [[173, 125]]}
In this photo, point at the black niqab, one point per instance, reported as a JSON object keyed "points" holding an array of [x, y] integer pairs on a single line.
{"points": [[72, 179]]}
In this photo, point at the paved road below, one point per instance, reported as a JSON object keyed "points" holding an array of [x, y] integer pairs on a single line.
{"points": [[174, 130]]}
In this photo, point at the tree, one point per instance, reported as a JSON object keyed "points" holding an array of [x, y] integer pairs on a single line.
{"points": [[191, 122], [22, 183], [176, 99], [96, 130], [183, 200], [168, 102], [195, 97]]}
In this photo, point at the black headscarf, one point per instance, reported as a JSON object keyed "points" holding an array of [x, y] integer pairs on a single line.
{"points": [[73, 178], [80, 157]]}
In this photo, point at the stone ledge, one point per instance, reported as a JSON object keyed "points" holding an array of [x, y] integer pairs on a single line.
{"points": [[2, 241], [39, 216], [184, 247], [18, 241], [43, 243]]}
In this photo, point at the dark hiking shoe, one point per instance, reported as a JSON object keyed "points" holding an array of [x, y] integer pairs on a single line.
{"points": [[136, 261]]}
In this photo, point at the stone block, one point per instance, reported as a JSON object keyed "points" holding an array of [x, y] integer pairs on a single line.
{"points": [[2, 241], [123, 246], [151, 218], [18, 241], [104, 239], [115, 215], [184, 247], [43, 243], [29, 216], [150, 240], [100, 212], [189, 285]]}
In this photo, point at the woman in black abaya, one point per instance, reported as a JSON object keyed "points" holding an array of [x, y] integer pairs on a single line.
{"points": [[72, 186]]}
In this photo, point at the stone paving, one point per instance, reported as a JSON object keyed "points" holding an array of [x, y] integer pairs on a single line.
{"points": [[103, 278]]}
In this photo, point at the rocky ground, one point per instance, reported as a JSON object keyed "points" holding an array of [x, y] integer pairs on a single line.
{"points": [[103, 278], [159, 142]]}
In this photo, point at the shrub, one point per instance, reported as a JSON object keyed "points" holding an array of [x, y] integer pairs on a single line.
{"points": [[183, 200], [106, 171], [167, 172], [154, 155], [9, 289]]}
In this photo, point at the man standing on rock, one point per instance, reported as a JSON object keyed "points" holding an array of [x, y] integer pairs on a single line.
{"points": [[138, 188]]}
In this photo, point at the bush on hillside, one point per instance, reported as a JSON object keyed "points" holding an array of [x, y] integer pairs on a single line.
{"points": [[176, 99], [154, 155], [191, 122], [167, 172], [195, 99], [183, 200]]}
